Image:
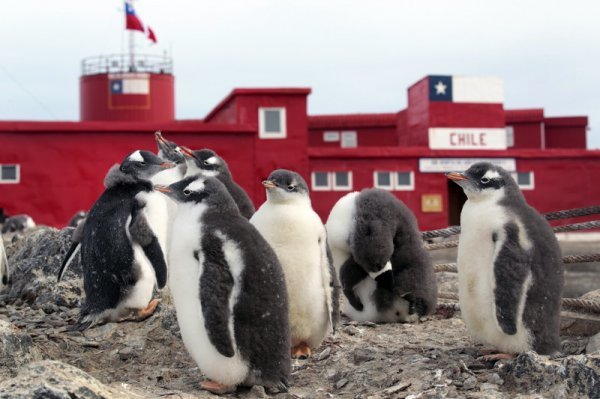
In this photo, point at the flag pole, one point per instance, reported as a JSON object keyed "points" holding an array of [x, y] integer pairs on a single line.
{"points": [[131, 52]]}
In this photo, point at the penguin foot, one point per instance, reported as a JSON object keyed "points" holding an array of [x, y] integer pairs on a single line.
{"points": [[140, 314], [301, 351], [216, 388]]}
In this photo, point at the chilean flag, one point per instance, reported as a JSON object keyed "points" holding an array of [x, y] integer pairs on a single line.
{"points": [[132, 22]]}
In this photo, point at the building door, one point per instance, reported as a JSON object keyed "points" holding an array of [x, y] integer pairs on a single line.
{"points": [[456, 200]]}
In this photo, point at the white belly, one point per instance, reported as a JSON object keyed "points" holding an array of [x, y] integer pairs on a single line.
{"points": [[184, 285], [294, 237], [476, 279]]}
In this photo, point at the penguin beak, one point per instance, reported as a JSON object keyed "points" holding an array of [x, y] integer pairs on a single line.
{"points": [[456, 176], [167, 165], [269, 184], [187, 152], [158, 137], [163, 189]]}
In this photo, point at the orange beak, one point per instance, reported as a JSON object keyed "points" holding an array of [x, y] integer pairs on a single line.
{"points": [[268, 184], [167, 165], [158, 136], [162, 189], [456, 176], [187, 151]]}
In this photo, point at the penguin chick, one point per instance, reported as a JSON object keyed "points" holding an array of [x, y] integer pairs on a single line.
{"points": [[16, 225], [229, 290], [296, 233], [385, 272], [208, 163], [171, 152], [122, 254], [510, 269]]}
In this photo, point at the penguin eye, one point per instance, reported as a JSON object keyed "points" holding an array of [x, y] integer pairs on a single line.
{"points": [[187, 192], [291, 188], [485, 180], [206, 163], [142, 163]]}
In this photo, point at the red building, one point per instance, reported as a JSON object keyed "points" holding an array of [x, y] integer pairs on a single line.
{"points": [[50, 170]]}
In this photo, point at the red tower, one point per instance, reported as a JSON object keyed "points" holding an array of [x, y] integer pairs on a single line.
{"points": [[127, 88]]}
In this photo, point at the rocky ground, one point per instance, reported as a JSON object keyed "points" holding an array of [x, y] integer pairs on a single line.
{"points": [[432, 359]]}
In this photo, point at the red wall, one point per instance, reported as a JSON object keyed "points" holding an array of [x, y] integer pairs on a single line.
{"points": [[566, 132], [377, 136], [62, 173], [96, 103], [528, 135], [417, 115]]}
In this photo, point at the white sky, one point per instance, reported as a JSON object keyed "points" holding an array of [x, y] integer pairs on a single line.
{"points": [[357, 56]]}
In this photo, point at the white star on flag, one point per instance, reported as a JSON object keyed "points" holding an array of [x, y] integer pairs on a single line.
{"points": [[440, 88]]}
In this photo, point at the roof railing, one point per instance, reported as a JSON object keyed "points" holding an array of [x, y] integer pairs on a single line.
{"points": [[123, 63]]}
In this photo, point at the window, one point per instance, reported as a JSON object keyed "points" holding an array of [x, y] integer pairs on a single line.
{"points": [[405, 181], [383, 180], [524, 180], [349, 139], [320, 181], [10, 173], [330, 137], [337, 181], [401, 180], [342, 181], [271, 123]]}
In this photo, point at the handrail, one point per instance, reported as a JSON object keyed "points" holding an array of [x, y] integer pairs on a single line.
{"points": [[122, 63]]}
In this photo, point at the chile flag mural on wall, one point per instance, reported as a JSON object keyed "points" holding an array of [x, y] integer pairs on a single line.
{"points": [[133, 22]]}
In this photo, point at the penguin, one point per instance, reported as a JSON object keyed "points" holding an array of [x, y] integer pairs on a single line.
{"points": [[296, 233], [77, 218], [122, 244], [4, 270], [171, 152], [385, 272], [228, 289], [510, 269], [208, 163], [17, 224]]}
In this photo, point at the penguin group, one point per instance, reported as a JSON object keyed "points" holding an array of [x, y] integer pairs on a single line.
{"points": [[255, 288]]}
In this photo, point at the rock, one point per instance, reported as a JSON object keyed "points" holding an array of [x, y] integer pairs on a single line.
{"points": [[593, 345], [341, 383], [470, 383], [16, 348], [569, 377], [257, 391], [362, 355], [324, 354], [52, 379], [35, 260]]}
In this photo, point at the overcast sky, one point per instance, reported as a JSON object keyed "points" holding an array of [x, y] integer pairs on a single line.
{"points": [[357, 56]]}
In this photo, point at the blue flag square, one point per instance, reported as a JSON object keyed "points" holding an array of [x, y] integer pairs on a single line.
{"points": [[116, 86], [440, 88]]}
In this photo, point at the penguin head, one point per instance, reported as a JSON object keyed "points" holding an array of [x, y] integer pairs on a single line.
{"points": [[285, 186], [198, 189], [483, 180], [206, 162], [168, 150], [143, 165]]}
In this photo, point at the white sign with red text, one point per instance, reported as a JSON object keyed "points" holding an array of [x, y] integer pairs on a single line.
{"points": [[444, 138]]}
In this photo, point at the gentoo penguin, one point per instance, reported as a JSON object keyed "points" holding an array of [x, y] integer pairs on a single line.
{"points": [[510, 269], [171, 152], [4, 270], [385, 272], [122, 251], [208, 163], [77, 219], [296, 233], [17, 224], [229, 290]]}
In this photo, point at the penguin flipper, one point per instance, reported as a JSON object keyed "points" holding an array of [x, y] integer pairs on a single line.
{"points": [[351, 273], [216, 284], [334, 284], [141, 233], [69, 257], [512, 274], [4, 270]]}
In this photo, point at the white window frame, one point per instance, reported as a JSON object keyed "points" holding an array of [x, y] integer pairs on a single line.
{"points": [[262, 125], [510, 136], [409, 187], [17, 177], [339, 187], [525, 186], [376, 182], [313, 181], [331, 136]]}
